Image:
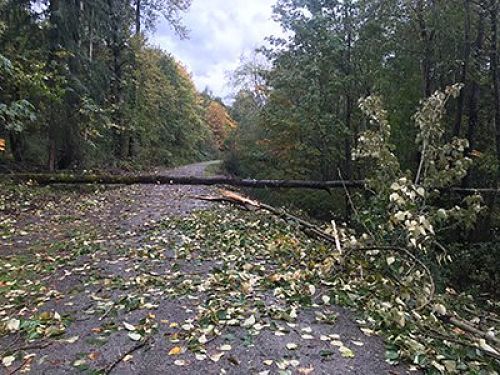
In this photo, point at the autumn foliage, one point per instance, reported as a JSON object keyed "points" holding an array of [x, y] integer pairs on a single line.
{"points": [[220, 122]]}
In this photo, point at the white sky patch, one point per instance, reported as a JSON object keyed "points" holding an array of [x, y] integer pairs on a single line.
{"points": [[220, 32]]}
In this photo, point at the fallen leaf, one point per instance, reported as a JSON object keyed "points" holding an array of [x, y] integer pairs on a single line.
{"points": [[216, 357], [337, 343], [202, 339], [70, 340], [249, 322], [305, 370], [134, 336], [346, 352], [79, 362], [367, 331], [13, 325], [176, 350], [129, 326], [8, 361]]}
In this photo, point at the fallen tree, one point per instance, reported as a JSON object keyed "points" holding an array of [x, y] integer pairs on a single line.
{"points": [[151, 179]]}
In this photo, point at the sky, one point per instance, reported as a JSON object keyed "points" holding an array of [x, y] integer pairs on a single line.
{"points": [[220, 32]]}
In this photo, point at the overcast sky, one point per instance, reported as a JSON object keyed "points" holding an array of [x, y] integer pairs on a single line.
{"points": [[220, 32]]}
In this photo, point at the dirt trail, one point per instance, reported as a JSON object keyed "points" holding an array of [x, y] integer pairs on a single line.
{"points": [[108, 261]]}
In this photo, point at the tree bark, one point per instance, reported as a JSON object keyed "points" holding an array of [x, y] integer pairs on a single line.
{"points": [[52, 155], [494, 9], [427, 38], [78, 179], [117, 95], [485, 229], [349, 100], [54, 43], [17, 146], [137, 17], [464, 70], [475, 88]]}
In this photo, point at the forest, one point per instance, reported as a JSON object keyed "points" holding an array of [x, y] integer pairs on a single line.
{"points": [[82, 89], [344, 201]]}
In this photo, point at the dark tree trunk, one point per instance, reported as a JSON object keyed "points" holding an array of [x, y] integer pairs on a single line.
{"points": [[491, 202], [132, 141], [349, 101], [464, 70], [52, 155], [494, 9], [427, 38], [137, 17], [117, 95], [151, 179], [475, 87], [54, 45], [17, 146]]}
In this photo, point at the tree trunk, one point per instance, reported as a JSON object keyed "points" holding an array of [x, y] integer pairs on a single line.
{"points": [[54, 45], [475, 88], [17, 146], [117, 95], [427, 37], [349, 101], [494, 9], [132, 141], [52, 155], [485, 229], [151, 179], [464, 70], [137, 17]]}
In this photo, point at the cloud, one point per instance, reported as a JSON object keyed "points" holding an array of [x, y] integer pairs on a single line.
{"points": [[220, 32]]}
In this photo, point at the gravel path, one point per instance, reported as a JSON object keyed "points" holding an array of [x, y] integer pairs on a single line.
{"points": [[124, 276]]}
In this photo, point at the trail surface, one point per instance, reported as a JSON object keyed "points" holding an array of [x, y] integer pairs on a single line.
{"points": [[90, 283]]}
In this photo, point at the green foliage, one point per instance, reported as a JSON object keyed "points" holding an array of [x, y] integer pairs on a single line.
{"points": [[413, 210], [307, 125], [80, 90]]}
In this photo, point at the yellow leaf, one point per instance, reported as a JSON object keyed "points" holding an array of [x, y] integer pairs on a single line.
{"points": [[176, 350]]}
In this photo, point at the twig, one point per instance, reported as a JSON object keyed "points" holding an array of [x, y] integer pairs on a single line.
{"points": [[106, 313], [141, 345], [432, 333], [336, 235], [26, 361], [416, 260], [353, 206], [421, 164], [471, 329], [28, 347]]}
